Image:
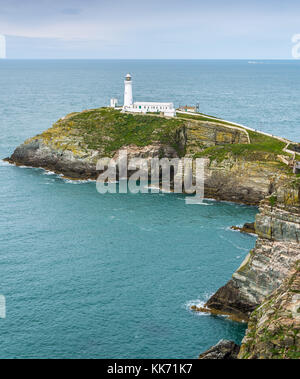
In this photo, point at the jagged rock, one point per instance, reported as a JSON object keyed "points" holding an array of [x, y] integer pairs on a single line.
{"points": [[229, 299], [38, 154], [266, 267], [75, 143], [248, 228], [274, 328], [223, 350]]}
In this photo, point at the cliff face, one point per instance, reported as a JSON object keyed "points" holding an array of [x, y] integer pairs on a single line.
{"points": [[243, 180], [274, 328], [200, 135], [265, 268], [75, 143]]}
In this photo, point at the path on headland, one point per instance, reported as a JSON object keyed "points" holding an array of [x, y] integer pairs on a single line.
{"points": [[217, 119], [237, 125]]}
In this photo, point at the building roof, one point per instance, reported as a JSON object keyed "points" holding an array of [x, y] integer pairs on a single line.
{"points": [[149, 103], [187, 107]]}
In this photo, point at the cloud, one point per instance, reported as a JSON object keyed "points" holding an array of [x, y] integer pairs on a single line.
{"points": [[160, 28]]}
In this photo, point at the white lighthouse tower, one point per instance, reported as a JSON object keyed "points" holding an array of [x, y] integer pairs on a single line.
{"points": [[128, 99], [143, 106]]}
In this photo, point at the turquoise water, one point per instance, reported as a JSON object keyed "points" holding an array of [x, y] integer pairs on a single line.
{"points": [[112, 276]]}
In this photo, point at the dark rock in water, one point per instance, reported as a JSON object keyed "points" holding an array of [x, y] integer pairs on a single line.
{"points": [[247, 228], [223, 350], [230, 299]]}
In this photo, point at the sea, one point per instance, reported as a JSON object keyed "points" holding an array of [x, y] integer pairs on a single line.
{"points": [[86, 275]]}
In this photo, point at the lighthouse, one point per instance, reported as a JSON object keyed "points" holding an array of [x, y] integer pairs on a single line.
{"points": [[167, 109], [128, 100]]}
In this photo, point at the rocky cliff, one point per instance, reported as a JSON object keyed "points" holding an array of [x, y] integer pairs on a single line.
{"points": [[274, 328], [266, 286], [240, 179], [276, 251], [74, 144], [241, 166]]}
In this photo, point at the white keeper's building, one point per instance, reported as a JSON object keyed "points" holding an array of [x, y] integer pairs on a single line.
{"points": [[142, 106]]}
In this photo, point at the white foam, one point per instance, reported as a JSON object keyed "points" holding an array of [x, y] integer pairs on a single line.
{"points": [[233, 244], [4, 163], [49, 173], [26, 167], [70, 181], [199, 303], [229, 229]]}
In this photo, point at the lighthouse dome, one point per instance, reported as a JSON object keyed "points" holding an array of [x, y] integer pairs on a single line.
{"points": [[128, 77]]}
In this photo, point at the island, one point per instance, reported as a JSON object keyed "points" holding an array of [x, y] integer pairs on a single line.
{"points": [[241, 165]]}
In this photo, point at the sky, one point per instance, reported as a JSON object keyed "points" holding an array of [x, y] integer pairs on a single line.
{"points": [[153, 29]]}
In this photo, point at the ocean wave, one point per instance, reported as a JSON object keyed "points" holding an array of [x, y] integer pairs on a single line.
{"points": [[233, 244], [70, 181], [49, 173], [199, 303], [4, 163], [229, 229], [27, 167]]}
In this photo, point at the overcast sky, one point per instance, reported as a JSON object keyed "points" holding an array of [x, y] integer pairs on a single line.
{"points": [[225, 29]]}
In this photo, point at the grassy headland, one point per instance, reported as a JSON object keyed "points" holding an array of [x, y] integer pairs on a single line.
{"points": [[107, 130]]}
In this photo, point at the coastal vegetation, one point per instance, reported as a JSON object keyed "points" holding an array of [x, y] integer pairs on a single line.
{"points": [[261, 147], [203, 117], [109, 130]]}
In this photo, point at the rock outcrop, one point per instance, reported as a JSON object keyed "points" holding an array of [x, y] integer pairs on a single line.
{"points": [[243, 179], [265, 268], [223, 350], [75, 143], [200, 135], [274, 328], [248, 228], [265, 290]]}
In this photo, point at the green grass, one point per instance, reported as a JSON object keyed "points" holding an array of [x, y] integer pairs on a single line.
{"points": [[203, 117], [111, 129], [108, 130], [261, 148], [260, 143], [273, 201]]}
